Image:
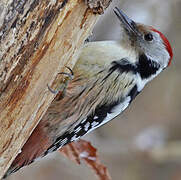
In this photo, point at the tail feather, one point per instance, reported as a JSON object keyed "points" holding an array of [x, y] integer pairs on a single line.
{"points": [[10, 171], [34, 148]]}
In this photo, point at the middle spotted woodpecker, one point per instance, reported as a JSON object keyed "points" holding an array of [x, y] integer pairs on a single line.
{"points": [[107, 77]]}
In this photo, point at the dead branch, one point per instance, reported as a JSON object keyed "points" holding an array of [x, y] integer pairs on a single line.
{"points": [[37, 39]]}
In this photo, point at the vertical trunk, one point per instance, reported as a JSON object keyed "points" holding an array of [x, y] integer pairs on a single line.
{"points": [[37, 39]]}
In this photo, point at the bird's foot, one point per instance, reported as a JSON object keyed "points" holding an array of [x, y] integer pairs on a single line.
{"points": [[63, 85]]}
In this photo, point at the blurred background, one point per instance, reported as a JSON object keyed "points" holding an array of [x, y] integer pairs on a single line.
{"points": [[144, 143]]}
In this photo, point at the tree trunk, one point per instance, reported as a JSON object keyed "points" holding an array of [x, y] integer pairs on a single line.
{"points": [[37, 39]]}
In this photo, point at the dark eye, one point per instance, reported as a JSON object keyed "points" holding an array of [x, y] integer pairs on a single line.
{"points": [[148, 37]]}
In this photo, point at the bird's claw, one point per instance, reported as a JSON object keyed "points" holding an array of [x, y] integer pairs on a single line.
{"points": [[51, 90], [70, 75], [63, 85]]}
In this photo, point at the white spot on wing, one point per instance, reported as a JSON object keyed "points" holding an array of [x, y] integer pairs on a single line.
{"points": [[51, 149], [87, 126], [74, 138], [96, 117], [94, 124], [78, 129], [115, 112], [83, 120], [63, 141]]}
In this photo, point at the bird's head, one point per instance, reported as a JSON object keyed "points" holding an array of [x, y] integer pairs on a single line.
{"points": [[151, 46]]}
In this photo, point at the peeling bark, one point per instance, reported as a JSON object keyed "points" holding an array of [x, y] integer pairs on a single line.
{"points": [[98, 6], [37, 39]]}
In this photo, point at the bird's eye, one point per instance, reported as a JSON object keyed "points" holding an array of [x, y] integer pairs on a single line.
{"points": [[148, 37]]}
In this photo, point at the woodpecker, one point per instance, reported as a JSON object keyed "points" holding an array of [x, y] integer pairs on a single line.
{"points": [[107, 77]]}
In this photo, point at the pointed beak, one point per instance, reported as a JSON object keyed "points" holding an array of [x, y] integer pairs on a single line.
{"points": [[127, 23]]}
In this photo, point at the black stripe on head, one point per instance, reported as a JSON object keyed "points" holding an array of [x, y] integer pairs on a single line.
{"points": [[147, 67], [123, 65]]}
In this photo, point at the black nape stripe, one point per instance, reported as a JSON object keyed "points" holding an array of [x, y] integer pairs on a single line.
{"points": [[123, 65], [147, 67]]}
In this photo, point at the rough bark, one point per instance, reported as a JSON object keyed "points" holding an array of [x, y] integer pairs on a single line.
{"points": [[37, 39]]}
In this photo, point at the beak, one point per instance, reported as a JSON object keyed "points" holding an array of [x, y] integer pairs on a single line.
{"points": [[128, 23]]}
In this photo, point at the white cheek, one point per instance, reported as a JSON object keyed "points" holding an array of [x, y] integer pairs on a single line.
{"points": [[157, 51]]}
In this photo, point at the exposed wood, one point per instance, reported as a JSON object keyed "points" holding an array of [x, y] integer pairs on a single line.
{"points": [[37, 39], [98, 6]]}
